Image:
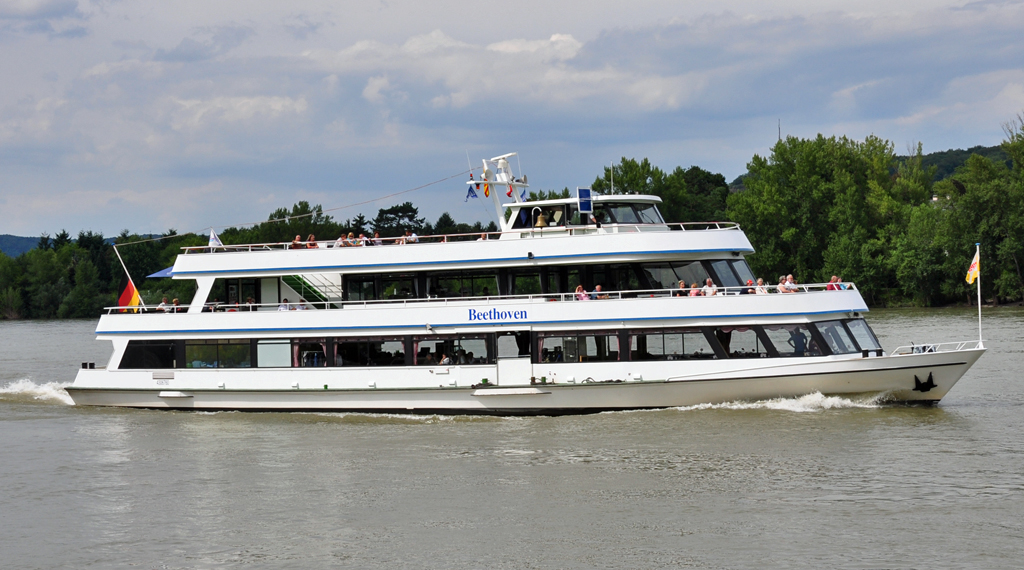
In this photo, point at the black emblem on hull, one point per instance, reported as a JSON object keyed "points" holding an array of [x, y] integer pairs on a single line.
{"points": [[925, 386]]}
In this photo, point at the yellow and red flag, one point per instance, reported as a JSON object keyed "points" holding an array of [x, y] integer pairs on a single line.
{"points": [[487, 190], [975, 270], [129, 296]]}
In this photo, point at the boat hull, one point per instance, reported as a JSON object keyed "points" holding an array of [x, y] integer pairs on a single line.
{"points": [[924, 378]]}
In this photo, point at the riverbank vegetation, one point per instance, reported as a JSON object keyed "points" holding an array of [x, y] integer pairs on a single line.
{"points": [[895, 225]]}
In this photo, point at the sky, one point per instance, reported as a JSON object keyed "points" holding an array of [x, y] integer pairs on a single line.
{"points": [[196, 114]]}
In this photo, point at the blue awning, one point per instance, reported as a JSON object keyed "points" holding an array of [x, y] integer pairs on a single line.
{"points": [[161, 273]]}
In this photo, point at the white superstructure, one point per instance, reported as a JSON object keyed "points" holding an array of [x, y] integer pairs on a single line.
{"points": [[493, 324]]}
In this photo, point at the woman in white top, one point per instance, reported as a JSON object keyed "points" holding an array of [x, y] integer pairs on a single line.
{"points": [[760, 289]]}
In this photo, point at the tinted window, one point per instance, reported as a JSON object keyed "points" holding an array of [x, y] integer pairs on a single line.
{"points": [[741, 342], [147, 354], [725, 274], [648, 214], [862, 332], [792, 340], [743, 270], [836, 337], [678, 345]]}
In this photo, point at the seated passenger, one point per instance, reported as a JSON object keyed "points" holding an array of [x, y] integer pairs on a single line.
{"points": [[760, 289], [284, 306], [598, 294], [162, 307], [301, 305], [362, 240], [791, 285], [682, 290], [445, 361], [709, 289], [581, 294], [749, 289], [340, 242], [296, 243], [694, 291], [376, 239], [176, 306], [311, 242], [781, 287], [832, 284]]}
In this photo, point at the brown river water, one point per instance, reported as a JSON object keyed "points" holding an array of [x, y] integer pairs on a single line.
{"points": [[810, 482]]}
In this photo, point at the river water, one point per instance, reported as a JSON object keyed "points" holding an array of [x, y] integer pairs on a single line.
{"points": [[811, 482]]}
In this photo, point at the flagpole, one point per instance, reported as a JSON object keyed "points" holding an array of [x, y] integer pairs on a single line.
{"points": [[978, 254], [129, 275]]}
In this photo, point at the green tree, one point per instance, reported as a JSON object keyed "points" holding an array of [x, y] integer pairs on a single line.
{"points": [[394, 221]]}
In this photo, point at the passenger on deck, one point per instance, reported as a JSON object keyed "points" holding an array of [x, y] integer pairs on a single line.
{"points": [[781, 287], [581, 294], [709, 289], [760, 289], [362, 240], [296, 243], [832, 284], [682, 290], [340, 242], [351, 240], [311, 242], [162, 307], [376, 239], [598, 294], [791, 285], [749, 290], [445, 361], [840, 285], [694, 291], [301, 305], [175, 306], [250, 304], [284, 306], [483, 237]]}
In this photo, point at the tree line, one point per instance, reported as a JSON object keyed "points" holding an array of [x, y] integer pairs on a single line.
{"points": [[813, 207]]}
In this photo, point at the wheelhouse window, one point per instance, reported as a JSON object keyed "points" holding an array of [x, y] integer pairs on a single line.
{"points": [[218, 353], [863, 334], [682, 344], [601, 347], [145, 354], [370, 352], [648, 214], [837, 337], [793, 340], [540, 217]]}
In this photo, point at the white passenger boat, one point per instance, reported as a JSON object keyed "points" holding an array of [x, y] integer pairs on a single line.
{"points": [[492, 324]]}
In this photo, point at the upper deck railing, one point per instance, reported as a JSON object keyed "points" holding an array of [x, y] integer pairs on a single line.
{"points": [[475, 236], [723, 292]]}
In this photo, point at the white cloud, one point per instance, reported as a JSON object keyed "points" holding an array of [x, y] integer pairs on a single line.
{"points": [[194, 114]]}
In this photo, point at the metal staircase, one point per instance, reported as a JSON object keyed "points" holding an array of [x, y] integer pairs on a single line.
{"points": [[315, 287]]}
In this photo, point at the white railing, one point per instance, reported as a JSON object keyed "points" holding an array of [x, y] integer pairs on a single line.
{"points": [[476, 236], [723, 292], [939, 347]]}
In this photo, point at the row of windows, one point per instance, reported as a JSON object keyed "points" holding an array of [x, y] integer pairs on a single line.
{"points": [[846, 336], [534, 281]]}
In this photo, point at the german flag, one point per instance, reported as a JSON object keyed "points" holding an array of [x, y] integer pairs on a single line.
{"points": [[129, 296]]}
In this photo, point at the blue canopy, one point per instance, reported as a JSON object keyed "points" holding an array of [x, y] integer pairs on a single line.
{"points": [[161, 273]]}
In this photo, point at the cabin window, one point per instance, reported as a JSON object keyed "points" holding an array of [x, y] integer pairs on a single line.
{"points": [[370, 352], [683, 344], [726, 277], [793, 340], [579, 348], [668, 275], [398, 286], [468, 349], [309, 352], [526, 283], [511, 345], [147, 354], [862, 333], [837, 337], [462, 285], [361, 288], [742, 342], [274, 353], [622, 214], [218, 353]]}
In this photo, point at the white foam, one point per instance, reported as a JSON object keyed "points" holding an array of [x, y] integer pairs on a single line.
{"points": [[814, 402], [26, 389]]}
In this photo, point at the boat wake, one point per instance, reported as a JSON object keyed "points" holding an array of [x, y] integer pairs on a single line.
{"points": [[28, 391], [814, 402]]}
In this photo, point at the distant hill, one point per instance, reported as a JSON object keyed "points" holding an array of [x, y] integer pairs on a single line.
{"points": [[14, 246], [947, 161]]}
